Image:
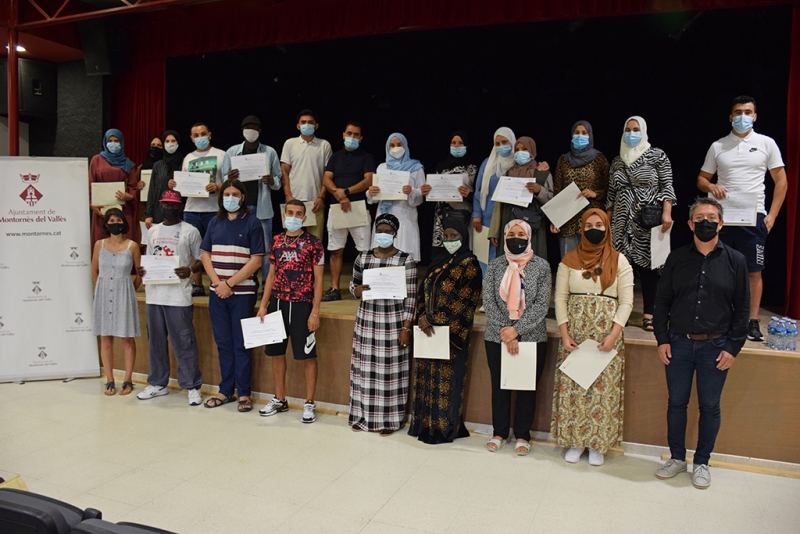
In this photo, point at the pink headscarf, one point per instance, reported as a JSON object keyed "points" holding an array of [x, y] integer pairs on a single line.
{"points": [[511, 288]]}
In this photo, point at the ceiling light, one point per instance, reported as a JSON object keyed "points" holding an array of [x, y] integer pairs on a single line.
{"points": [[20, 48]]}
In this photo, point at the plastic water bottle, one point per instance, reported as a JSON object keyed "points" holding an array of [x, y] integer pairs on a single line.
{"points": [[780, 335], [771, 332], [791, 336]]}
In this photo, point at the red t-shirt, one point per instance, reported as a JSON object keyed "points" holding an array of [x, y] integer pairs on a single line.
{"points": [[294, 259]]}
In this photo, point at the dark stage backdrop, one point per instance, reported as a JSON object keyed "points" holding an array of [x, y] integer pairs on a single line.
{"points": [[679, 71]]}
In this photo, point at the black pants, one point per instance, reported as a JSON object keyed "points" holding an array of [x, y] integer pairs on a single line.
{"points": [[649, 278], [501, 398]]}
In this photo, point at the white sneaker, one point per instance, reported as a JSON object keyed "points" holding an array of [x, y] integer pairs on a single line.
{"points": [[195, 398], [309, 412], [152, 391], [574, 454], [596, 458]]}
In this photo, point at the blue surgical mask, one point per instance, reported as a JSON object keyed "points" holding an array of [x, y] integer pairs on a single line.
{"points": [[458, 151], [522, 157], [231, 203], [503, 150], [580, 141], [113, 147], [202, 143], [384, 240], [351, 143], [307, 129], [293, 224], [742, 123], [452, 246], [632, 138]]}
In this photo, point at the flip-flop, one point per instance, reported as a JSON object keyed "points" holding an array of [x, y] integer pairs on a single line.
{"points": [[215, 402], [111, 388], [245, 406], [127, 388]]}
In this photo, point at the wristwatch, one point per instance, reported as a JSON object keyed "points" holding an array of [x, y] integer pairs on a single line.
{"points": [[347, 192]]}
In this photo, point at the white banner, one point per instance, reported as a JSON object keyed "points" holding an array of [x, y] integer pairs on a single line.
{"points": [[45, 270]]}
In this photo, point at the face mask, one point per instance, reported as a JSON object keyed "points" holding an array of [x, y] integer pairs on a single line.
{"points": [[351, 143], [516, 245], [522, 157], [742, 123], [293, 224], [115, 228], [452, 246], [580, 141], [594, 236], [171, 214], [705, 230], [113, 147], [503, 150], [397, 152], [307, 129], [230, 203], [170, 147], [458, 151], [156, 152], [202, 143], [251, 136], [632, 138], [384, 240]]}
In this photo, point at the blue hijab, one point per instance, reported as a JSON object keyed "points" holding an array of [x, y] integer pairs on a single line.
{"points": [[120, 160], [404, 163]]}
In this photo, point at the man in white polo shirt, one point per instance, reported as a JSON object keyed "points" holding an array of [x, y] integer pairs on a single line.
{"points": [[303, 161], [740, 160]]}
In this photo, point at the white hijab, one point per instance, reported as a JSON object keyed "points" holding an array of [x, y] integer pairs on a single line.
{"points": [[497, 164], [631, 154]]}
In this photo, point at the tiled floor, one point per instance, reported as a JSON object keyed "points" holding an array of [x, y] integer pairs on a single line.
{"points": [[185, 469]]}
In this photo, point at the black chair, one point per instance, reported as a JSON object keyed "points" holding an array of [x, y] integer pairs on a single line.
{"points": [[22, 512], [98, 526]]}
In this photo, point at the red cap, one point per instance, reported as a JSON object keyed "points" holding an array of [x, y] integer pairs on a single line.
{"points": [[171, 196]]}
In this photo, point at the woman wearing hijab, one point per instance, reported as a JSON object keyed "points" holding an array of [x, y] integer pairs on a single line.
{"points": [[457, 162], [447, 297], [398, 158], [516, 295], [587, 168], [593, 298], [382, 338], [112, 165], [640, 183], [540, 183], [163, 171]]}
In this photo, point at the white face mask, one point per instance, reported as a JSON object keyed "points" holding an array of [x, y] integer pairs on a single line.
{"points": [[170, 148], [397, 152], [250, 135]]}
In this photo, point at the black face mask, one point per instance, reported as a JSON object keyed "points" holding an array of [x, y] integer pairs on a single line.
{"points": [[516, 245], [171, 214], [594, 236], [156, 153], [115, 228], [705, 230]]}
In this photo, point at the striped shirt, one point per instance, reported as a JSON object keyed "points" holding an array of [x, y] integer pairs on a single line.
{"points": [[231, 244]]}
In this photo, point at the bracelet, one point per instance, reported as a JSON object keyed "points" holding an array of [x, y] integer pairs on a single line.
{"points": [[406, 328], [314, 315], [227, 284]]}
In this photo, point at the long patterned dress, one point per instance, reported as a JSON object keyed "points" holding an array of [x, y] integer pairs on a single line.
{"points": [[591, 418], [449, 296], [379, 368]]}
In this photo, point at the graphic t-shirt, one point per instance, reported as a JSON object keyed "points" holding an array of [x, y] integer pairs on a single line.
{"points": [[294, 259], [182, 240], [216, 164]]}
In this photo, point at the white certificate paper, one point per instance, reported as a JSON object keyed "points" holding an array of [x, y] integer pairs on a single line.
{"points": [[518, 372], [391, 184], [445, 187], [357, 216], [160, 269], [659, 246], [385, 283], [257, 334], [481, 244], [565, 205], [436, 347], [311, 217], [740, 209], [251, 167], [105, 193], [512, 190], [145, 175], [191, 184], [586, 363], [145, 240]]}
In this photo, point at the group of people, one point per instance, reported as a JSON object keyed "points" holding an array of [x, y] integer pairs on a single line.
{"points": [[229, 237]]}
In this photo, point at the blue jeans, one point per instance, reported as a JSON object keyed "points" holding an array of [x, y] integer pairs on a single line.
{"points": [[235, 361], [200, 220], [266, 224], [690, 357]]}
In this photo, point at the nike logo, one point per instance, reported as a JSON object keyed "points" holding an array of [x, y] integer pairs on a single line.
{"points": [[311, 341]]}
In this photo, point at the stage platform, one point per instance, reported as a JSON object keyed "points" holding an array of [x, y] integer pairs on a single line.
{"points": [[760, 403]]}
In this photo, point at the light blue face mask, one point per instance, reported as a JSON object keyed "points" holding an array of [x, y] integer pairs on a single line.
{"points": [[230, 203], [580, 141], [113, 147], [293, 224], [503, 150], [742, 123], [307, 129], [632, 138], [351, 143], [202, 142], [458, 151], [452, 246], [522, 157], [384, 240]]}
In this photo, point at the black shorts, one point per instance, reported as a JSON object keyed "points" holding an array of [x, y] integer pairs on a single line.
{"points": [[295, 320], [749, 240]]}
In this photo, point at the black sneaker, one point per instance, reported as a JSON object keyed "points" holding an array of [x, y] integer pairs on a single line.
{"points": [[198, 291], [753, 331], [331, 295]]}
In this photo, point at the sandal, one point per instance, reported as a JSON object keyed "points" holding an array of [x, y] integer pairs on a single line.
{"points": [[245, 406], [525, 446], [355, 429], [498, 444], [127, 387], [111, 388], [214, 402], [385, 433], [647, 325]]}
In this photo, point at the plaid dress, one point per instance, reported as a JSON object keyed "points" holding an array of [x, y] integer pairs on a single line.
{"points": [[379, 368]]}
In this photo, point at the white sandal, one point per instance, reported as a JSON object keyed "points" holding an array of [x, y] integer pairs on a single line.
{"points": [[497, 443], [522, 445]]}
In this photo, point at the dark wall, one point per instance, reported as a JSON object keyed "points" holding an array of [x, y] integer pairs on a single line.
{"points": [[79, 128], [678, 71]]}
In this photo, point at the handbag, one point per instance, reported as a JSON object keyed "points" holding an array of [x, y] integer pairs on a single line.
{"points": [[650, 215], [531, 216]]}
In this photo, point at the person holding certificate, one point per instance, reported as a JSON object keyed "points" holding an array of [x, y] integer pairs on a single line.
{"points": [[593, 299], [639, 189], [232, 250], [540, 183], [398, 158], [163, 171], [586, 167], [516, 295], [382, 338], [448, 296], [116, 311], [112, 165]]}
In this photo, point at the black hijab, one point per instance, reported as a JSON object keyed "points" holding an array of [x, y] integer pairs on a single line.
{"points": [[150, 160], [458, 220], [579, 158], [173, 161], [451, 162]]}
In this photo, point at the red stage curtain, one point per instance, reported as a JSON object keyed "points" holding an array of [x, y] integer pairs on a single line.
{"points": [[792, 300]]}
